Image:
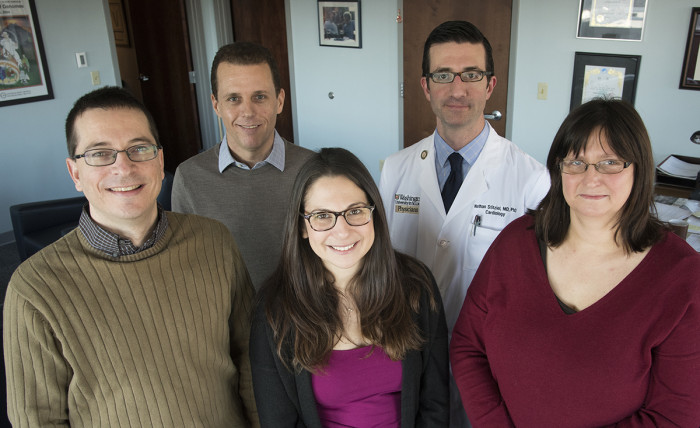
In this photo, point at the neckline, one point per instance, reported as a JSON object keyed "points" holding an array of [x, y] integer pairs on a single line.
{"points": [[553, 300]]}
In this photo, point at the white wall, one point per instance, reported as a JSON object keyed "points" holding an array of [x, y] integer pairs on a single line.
{"points": [[33, 144], [364, 115], [542, 50]]}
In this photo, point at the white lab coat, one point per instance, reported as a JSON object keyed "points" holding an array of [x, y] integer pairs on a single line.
{"points": [[498, 188]]}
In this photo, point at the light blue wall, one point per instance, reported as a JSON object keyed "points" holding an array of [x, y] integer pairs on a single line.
{"points": [[32, 146], [364, 115], [542, 50]]}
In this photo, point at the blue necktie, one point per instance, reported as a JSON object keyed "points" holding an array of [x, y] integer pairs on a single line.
{"points": [[454, 180]]}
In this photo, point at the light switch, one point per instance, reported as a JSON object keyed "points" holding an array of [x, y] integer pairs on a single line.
{"points": [[81, 59], [95, 75], [541, 91]]}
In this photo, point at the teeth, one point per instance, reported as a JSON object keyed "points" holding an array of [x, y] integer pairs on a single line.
{"points": [[343, 248], [249, 127], [124, 189]]}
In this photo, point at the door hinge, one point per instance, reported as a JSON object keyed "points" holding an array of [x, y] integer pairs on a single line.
{"points": [[193, 77]]}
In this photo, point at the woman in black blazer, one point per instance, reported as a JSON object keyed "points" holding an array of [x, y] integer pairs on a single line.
{"points": [[347, 332]]}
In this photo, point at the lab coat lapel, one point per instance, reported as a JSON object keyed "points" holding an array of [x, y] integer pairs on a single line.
{"points": [[476, 182], [429, 183]]}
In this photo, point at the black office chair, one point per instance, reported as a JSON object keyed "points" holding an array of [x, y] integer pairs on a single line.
{"points": [[38, 224]]}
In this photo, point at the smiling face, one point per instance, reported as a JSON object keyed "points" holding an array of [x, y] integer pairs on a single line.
{"points": [[458, 105], [122, 196], [343, 247], [248, 105], [594, 195]]}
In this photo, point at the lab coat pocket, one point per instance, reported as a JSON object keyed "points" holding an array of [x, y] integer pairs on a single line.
{"points": [[478, 242]]}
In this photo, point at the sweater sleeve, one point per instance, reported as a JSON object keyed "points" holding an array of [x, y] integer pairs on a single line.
{"points": [[674, 386], [239, 324], [470, 365], [37, 374]]}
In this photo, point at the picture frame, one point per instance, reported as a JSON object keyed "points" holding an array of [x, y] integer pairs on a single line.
{"points": [[599, 75], [340, 23], [690, 74], [611, 19], [24, 74], [119, 26]]}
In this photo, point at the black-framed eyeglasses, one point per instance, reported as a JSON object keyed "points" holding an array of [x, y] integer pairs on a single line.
{"points": [[465, 76], [104, 157], [608, 166], [325, 220]]}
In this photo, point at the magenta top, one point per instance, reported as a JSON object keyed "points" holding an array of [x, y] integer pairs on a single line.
{"points": [[357, 390]]}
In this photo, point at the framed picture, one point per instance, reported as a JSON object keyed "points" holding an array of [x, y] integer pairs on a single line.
{"points": [[612, 19], [24, 75], [339, 24], [119, 27], [604, 75], [690, 76]]}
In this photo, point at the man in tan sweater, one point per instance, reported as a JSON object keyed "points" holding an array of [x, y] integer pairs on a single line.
{"points": [[138, 317]]}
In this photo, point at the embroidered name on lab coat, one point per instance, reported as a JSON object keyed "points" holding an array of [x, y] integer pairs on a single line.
{"points": [[406, 204], [496, 210]]}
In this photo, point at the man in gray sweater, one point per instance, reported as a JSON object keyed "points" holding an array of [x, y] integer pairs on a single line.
{"points": [[245, 181]]}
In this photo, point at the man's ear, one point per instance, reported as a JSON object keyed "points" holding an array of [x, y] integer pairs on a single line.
{"points": [[280, 101], [215, 104], [426, 87], [74, 173]]}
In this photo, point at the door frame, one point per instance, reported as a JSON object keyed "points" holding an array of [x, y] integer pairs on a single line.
{"points": [[217, 32]]}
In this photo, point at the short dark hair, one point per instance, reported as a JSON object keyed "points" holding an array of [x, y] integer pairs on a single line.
{"points": [[459, 32], [244, 53], [386, 288], [109, 97], [623, 129]]}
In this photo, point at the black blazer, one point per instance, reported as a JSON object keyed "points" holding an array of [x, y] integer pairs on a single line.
{"points": [[285, 399]]}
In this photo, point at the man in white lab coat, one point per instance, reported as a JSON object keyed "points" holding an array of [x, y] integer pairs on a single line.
{"points": [[449, 195]]}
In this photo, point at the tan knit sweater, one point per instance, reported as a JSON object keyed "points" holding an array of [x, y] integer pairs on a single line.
{"points": [[155, 339]]}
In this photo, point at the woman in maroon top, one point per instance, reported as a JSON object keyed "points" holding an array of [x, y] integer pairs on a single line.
{"points": [[585, 313], [347, 332]]}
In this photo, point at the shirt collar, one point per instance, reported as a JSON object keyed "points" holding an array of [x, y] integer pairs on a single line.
{"points": [[275, 158], [111, 243], [469, 152]]}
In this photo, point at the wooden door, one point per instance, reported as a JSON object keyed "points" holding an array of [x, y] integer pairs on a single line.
{"points": [[419, 18], [164, 61], [264, 22]]}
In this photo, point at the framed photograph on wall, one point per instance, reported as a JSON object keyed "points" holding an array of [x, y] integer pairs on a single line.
{"points": [[119, 26], [612, 19], [599, 75], [24, 75], [339, 24], [690, 76]]}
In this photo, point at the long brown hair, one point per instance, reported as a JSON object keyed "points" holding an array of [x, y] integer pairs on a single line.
{"points": [[627, 136], [300, 299]]}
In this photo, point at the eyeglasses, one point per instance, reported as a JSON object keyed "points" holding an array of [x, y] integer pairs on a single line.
{"points": [[465, 76], [609, 166], [322, 221], [104, 157]]}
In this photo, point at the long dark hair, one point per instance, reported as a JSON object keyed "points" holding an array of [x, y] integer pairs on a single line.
{"points": [[625, 133], [300, 300]]}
